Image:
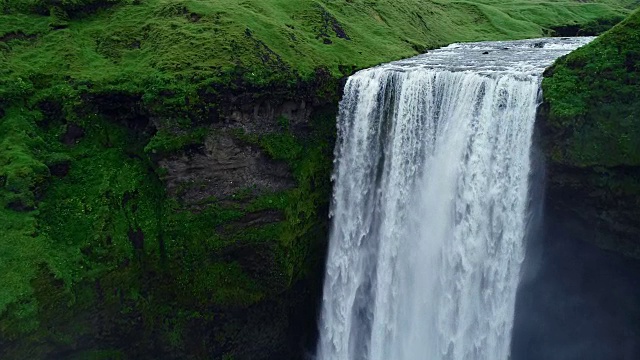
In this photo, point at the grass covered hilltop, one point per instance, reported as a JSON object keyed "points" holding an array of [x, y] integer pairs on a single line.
{"points": [[164, 164]]}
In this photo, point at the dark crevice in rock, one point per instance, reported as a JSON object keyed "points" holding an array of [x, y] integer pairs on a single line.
{"points": [[124, 109], [60, 170], [53, 113], [17, 35], [20, 205], [136, 237], [127, 197], [193, 17], [73, 134], [259, 262]]}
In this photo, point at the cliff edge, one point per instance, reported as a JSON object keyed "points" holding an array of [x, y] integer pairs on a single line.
{"points": [[590, 128]]}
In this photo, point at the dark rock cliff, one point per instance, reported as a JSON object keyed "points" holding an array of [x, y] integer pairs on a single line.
{"points": [[590, 128]]}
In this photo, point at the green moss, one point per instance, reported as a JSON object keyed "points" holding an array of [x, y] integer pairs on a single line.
{"points": [[166, 142], [281, 146], [198, 229], [79, 224], [225, 284], [310, 160], [22, 172], [43, 7], [107, 224], [593, 96], [169, 50], [94, 213]]}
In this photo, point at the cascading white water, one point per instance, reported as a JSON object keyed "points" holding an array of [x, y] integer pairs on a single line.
{"points": [[430, 203]]}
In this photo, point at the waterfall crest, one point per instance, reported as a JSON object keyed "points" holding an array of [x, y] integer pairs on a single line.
{"points": [[429, 211]]}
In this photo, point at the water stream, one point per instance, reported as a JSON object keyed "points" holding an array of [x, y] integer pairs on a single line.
{"points": [[430, 206]]}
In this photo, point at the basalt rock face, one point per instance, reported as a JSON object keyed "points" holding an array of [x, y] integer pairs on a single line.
{"points": [[211, 233], [230, 160], [264, 168], [590, 129]]}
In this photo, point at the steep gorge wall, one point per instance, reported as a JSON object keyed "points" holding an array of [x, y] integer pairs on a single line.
{"points": [[590, 127], [204, 239]]}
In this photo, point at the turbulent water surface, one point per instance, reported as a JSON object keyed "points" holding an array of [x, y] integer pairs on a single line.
{"points": [[430, 203]]}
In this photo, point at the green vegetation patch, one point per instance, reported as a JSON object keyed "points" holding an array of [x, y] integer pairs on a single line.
{"points": [[594, 100], [22, 171], [166, 142], [163, 48]]}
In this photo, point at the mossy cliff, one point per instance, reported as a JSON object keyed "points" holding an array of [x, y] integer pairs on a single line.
{"points": [[590, 126], [165, 165]]}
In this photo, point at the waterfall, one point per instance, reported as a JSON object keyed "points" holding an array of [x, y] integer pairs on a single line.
{"points": [[430, 203]]}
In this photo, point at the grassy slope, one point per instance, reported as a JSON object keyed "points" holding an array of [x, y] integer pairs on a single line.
{"points": [[55, 59], [592, 100], [136, 47]]}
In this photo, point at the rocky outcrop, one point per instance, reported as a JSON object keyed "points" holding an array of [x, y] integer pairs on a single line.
{"points": [[211, 233], [590, 129], [221, 167]]}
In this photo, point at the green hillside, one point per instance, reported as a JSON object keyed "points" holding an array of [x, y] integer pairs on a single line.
{"points": [[136, 45], [595, 95]]}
